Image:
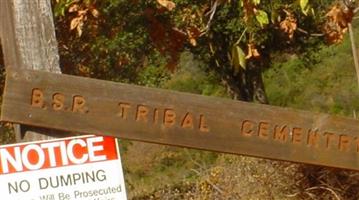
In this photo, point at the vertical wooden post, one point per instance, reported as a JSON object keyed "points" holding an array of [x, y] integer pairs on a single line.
{"points": [[354, 50], [28, 40]]}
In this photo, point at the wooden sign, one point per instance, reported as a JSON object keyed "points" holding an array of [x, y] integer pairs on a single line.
{"points": [[159, 116], [82, 168]]}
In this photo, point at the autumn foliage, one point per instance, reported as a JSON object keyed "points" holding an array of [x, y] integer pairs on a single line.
{"points": [[234, 38], [337, 22]]}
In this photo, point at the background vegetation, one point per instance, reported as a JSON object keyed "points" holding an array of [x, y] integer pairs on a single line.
{"points": [[322, 80]]}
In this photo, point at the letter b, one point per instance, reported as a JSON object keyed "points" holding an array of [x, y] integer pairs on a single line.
{"points": [[37, 98]]}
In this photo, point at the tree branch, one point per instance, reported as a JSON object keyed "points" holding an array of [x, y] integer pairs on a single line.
{"points": [[310, 34], [211, 13]]}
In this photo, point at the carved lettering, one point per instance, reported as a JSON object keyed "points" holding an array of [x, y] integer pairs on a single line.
{"points": [[263, 130], [203, 127], [187, 121], [169, 118], [58, 101], [297, 135], [344, 143], [79, 104], [281, 133], [190, 120], [142, 113], [247, 128], [124, 107], [155, 116], [329, 138], [37, 98], [357, 144], [313, 138]]}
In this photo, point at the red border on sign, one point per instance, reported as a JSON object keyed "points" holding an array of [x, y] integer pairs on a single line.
{"points": [[56, 153]]}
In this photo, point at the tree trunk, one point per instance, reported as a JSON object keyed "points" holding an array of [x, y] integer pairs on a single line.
{"points": [[247, 85], [254, 81], [28, 40]]}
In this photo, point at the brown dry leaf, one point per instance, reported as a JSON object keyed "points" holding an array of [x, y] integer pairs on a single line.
{"points": [[82, 12], [157, 32], [83, 70], [167, 4], [75, 22], [339, 16], [177, 39], [252, 51], [193, 33], [78, 22], [336, 24], [289, 24], [193, 41], [73, 8], [167, 40], [79, 28], [123, 60]]}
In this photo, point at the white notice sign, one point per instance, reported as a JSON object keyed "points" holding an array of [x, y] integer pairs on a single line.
{"points": [[87, 167]]}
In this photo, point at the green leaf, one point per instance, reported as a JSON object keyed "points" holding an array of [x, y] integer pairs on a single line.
{"points": [[256, 2], [240, 4], [262, 18], [304, 5], [238, 58], [312, 11]]}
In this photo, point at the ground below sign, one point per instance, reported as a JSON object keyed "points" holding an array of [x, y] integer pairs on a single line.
{"points": [[87, 167], [93, 106]]}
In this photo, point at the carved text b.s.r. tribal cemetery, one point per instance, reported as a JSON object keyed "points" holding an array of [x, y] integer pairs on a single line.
{"points": [[262, 130], [141, 113]]}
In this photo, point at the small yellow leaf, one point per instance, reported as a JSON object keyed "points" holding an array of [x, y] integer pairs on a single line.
{"points": [[79, 28], [193, 41], [167, 4], [252, 51], [95, 12], [256, 53], [82, 12], [73, 8], [75, 22]]}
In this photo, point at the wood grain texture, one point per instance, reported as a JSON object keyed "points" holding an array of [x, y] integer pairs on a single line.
{"points": [[28, 40], [92, 106], [28, 35]]}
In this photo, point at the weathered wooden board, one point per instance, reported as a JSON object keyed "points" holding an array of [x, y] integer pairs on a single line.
{"points": [[153, 115], [28, 41]]}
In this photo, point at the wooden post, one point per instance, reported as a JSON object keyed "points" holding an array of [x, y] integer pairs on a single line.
{"points": [[354, 50], [28, 40]]}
